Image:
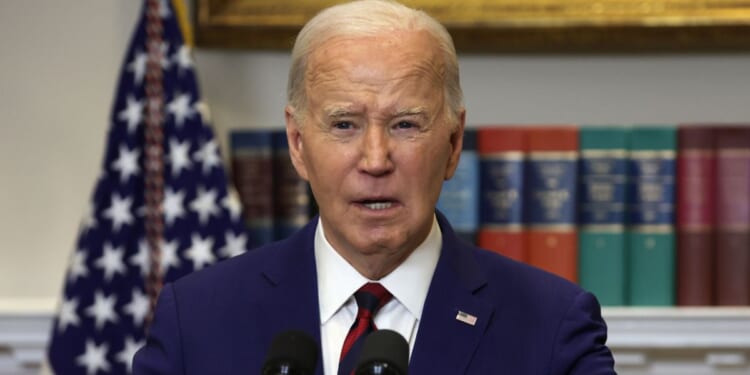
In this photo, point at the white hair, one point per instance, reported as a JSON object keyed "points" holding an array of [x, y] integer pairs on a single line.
{"points": [[368, 18]]}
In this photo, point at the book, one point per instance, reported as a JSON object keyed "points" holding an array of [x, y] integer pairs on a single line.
{"points": [[601, 212], [292, 206], [501, 184], [651, 237], [251, 159], [550, 199], [459, 197], [695, 210], [733, 215]]}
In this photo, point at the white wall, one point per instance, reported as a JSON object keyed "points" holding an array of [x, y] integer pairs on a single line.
{"points": [[58, 68]]}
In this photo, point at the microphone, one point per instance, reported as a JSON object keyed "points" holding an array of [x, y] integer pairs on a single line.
{"points": [[291, 353], [384, 352]]}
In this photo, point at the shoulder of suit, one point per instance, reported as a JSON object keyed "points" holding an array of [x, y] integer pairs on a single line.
{"points": [[506, 270]]}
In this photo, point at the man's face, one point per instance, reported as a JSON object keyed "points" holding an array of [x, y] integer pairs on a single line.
{"points": [[375, 143]]}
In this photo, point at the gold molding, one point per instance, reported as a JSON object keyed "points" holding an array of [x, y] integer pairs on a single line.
{"points": [[508, 25]]}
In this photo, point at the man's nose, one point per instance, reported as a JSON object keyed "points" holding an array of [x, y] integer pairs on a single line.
{"points": [[376, 151]]}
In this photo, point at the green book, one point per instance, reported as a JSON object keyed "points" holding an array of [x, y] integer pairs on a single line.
{"points": [[651, 233], [601, 210]]}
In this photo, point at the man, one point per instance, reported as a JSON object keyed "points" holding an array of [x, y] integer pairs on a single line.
{"points": [[375, 123]]}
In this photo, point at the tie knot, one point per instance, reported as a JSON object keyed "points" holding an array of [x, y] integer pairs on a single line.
{"points": [[371, 297]]}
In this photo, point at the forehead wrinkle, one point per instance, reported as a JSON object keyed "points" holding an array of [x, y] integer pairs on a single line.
{"points": [[410, 67], [325, 63]]}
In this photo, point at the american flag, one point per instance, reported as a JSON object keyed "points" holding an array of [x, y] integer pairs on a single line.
{"points": [[160, 208]]}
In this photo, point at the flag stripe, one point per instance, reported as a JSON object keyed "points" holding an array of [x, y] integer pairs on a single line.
{"points": [[154, 179]]}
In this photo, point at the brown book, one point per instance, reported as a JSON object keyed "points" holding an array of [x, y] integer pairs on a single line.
{"points": [[696, 191], [291, 197], [501, 152], [252, 174], [733, 215], [550, 199]]}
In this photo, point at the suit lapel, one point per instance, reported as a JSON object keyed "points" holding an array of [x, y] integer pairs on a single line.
{"points": [[446, 341], [291, 299]]}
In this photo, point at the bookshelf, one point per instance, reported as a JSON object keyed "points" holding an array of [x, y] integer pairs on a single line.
{"points": [[701, 340]]}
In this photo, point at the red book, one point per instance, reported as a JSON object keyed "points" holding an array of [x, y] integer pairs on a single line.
{"points": [[501, 170], [550, 199], [696, 189], [733, 215]]}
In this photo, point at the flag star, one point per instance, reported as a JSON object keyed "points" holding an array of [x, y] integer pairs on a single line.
{"points": [[232, 204], [200, 252], [179, 156], [141, 211], [141, 258], [138, 67], [208, 154], [103, 309], [133, 114], [161, 48], [119, 211], [77, 265], [205, 205], [111, 261], [127, 163], [183, 58], [164, 9], [138, 307], [181, 109], [169, 256], [174, 206], [95, 358], [89, 222], [68, 315], [128, 352], [204, 111], [235, 244]]}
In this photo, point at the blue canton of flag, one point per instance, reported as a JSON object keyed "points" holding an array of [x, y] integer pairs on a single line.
{"points": [[105, 307]]}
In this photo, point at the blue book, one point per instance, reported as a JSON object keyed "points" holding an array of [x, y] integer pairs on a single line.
{"points": [[459, 199]]}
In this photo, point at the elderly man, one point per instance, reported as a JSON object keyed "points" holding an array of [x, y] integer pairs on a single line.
{"points": [[375, 122]]}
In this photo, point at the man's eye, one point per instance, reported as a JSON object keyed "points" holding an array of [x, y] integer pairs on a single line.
{"points": [[405, 125], [343, 125]]}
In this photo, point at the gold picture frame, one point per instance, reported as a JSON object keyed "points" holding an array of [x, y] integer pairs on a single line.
{"points": [[524, 26]]}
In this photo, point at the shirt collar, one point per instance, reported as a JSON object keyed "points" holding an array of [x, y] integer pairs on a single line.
{"points": [[408, 283]]}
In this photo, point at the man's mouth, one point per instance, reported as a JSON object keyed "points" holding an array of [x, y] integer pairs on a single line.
{"points": [[377, 205]]}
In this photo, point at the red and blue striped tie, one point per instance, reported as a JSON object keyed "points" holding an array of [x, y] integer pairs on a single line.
{"points": [[370, 298]]}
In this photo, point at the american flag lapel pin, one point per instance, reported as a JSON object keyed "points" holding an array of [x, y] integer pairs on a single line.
{"points": [[466, 318]]}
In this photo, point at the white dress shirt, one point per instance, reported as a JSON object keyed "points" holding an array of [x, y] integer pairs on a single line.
{"points": [[338, 280]]}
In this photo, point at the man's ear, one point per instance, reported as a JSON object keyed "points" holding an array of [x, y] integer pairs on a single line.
{"points": [[456, 143], [294, 137]]}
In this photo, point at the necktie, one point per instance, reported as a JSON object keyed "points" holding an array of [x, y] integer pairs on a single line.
{"points": [[370, 298]]}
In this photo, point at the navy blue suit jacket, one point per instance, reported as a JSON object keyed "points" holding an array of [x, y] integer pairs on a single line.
{"points": [[222, 320]]}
